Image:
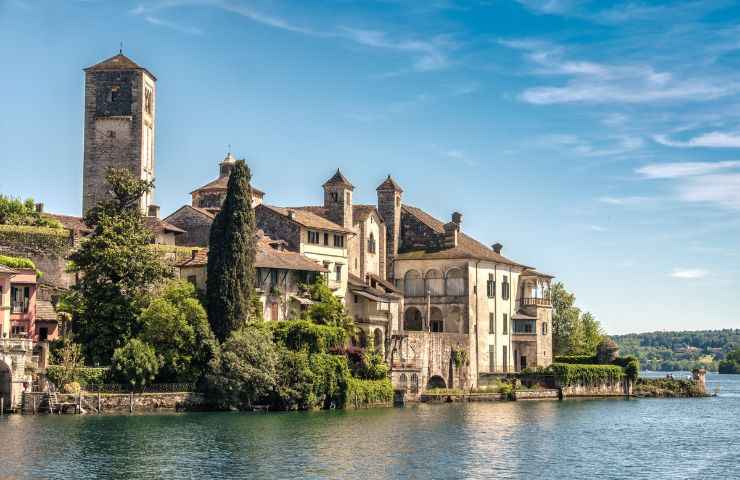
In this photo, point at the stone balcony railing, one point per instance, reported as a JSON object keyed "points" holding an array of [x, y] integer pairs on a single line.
{"points": [[537, 302], [16, 344]]}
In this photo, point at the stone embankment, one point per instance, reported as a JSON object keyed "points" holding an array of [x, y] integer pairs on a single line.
{"points": [[87, 402]]}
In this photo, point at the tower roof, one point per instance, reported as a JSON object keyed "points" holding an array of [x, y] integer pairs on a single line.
{"points": [[390, 184], [117, 62], [339, 179], [229, 158]]}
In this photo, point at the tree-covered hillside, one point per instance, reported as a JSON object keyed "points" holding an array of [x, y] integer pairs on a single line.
{"points": [[670, 351]]}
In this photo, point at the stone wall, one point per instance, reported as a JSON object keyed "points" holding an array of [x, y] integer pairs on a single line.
{"points": [[616, 389], [127, 403], [197, 227], [278, 227]]}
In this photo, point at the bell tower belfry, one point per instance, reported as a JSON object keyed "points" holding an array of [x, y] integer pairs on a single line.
{"points": [[120, 114]]}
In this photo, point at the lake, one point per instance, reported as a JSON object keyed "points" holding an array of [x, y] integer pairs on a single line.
{"points": [[613, 438]]}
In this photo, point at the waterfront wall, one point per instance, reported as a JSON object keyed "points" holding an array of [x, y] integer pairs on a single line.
{"points": [[117, 402]]}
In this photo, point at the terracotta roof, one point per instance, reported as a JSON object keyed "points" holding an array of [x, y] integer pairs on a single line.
{"points": [[534, 273], [355, 284], [202, 211], [117, 62], [266, 257], [45, 311], [222, 184], [307, 217], [69, 222], [388, 285], [7, 270], [159, 226], [467, 247], [361, 212], [339, 179], [389, 184]]}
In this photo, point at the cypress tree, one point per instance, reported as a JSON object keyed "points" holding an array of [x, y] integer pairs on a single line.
{"points": [[232, 249]]}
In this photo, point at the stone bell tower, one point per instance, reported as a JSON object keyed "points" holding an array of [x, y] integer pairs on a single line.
{"points": [[120, 101]]}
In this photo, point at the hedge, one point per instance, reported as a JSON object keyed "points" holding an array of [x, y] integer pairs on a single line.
{"points": [[18, 262], [302, 334], [41, 239], [85, 376], [574, 374], [631, 366], [576, 359], [363, 393]]}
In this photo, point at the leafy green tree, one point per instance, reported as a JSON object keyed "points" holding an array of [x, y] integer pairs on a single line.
{"points": [[176, 325], [232, 248], [731, 364], [591, 334], [135, 364], [245, 369], [565, 319], [327, 308], [13, 211], [117, 270]]}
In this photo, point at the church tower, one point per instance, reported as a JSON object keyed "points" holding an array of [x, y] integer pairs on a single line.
{"points": [[120, 101], [338, 200]]}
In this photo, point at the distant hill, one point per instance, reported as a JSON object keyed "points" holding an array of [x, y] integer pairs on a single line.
{"points": [[671, 351]]}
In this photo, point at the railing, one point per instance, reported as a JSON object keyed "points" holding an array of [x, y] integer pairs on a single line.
{"points": [[539, 302], [153, 388], [16, 344], [405, 364], [19, 307]]}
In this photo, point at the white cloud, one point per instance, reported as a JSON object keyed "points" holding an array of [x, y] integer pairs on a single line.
{"points": [[597, 228], [720, 189], [684, 169], [617, 145], [173, 26], [689, 273], [460, 157], [710, 140], [625, 201]]}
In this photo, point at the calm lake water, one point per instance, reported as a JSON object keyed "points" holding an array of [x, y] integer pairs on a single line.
{"points": [[645, 438]]}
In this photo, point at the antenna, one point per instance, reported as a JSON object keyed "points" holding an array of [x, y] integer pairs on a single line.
{"points": [[229, 148], [120, 50]]}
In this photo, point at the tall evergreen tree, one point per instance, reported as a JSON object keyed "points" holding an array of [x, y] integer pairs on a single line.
{"points": [[117, 270], [232, 249]]}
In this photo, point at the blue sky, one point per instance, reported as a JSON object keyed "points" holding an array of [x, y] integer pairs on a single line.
{"points": [[598, 141]]}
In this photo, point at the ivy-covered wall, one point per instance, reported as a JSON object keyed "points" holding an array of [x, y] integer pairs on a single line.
{"points": [[47, 248]]}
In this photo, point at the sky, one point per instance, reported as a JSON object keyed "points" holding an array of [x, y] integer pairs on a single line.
{"points": [[597, 141]]}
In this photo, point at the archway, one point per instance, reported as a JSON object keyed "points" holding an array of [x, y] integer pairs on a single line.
{"points": [[435, 283], [413, 284], [455, 282], [452, 324], [436, 382], [6, 379], [436, 322], [412, 319]]}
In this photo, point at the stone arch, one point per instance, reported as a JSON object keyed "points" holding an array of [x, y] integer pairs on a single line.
{"points": [[412, 319], [6, 384], [413, 284], [436, 322], [455, 282], [436, 382], [378, 340], [453, 323], [403, 382], [434, 282]]}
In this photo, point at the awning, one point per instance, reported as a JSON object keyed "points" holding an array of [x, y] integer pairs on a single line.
{"points": [[302, 300], [522, 316]]}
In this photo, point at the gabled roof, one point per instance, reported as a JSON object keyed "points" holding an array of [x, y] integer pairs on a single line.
{"points": [[390, 184], [201, 211], [339, 179], [45, 311], [222, 184], [356, 285], [467, 247], [117, 62], [161, 226], [307, 217], [361, 212]]}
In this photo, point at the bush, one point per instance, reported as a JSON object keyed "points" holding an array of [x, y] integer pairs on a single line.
{"points": [[305, 335], [307, 381], [362, 393], [71, 387], [85, 376], [135, 364], [631, 366], [13, 211], [18, 262], [574, 374], [576, 359]]}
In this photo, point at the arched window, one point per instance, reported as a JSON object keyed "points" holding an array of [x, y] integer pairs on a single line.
{"points": [[413, 284], [452, 324], [455, 282], [437, 324], [402, 382], [435, 284], [371, 243], [412, 319], [414, 382]]}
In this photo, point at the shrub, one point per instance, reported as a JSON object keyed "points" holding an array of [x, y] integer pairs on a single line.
{"points": [[362, 393], [39, 239], [574, 374], [135, 364], [631, 366], [18, 262], [576, 359], [85, 376], [303, 334], [13, 211]]}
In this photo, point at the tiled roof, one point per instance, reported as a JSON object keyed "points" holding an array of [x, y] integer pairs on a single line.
{"points": [[202, 211], [361, 212], [467, 247], [222, 184], [339, 179], [534, 273], [158, 226], [117, 62], [45, 311], [355, 283], [69, 222], [389, 184], [307, 217]]}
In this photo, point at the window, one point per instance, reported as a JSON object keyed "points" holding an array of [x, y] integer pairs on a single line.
{"points": [[491, 323], [371, 243], [414, 382], [338, 273], [20, 297], [326, 238], [193, 279], [114, 92], [148, 101], [412, 319], [18, 331], [43, 334], [437, 324], [491, 286], [491, 358], [313, 237], [435, 283], [334, 197], [357, 299], [505, 288], [402, 382], [339, 241], [544, 328], [506, 359], [413, 284], [506, 324], [455, 282]]}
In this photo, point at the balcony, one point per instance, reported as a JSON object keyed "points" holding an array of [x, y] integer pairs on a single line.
{"points": [[535, 302]]}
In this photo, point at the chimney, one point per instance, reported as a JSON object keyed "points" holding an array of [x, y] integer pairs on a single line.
{"points": [[39, 208], [193, 253], [153, 211], [457, 218], [496, 247], [291, 214], [450, 235]]}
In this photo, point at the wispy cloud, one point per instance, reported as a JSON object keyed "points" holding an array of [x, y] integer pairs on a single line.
{"points": [[173, 26], [722, 190], [710, 140], [459, 156], [689, 273], [626, 201], [597, 228], [611, 146], [684, 169]]}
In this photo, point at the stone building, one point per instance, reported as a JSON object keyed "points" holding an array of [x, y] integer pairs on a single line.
{"points": [[120, 115], [196, 219]]}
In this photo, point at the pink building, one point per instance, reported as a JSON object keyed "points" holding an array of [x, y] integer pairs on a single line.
{"points": [[19, 310]]}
